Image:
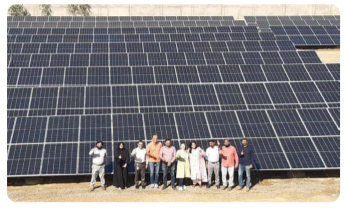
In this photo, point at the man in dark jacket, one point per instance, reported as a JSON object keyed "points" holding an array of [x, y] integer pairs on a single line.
{"points": [[246, 159]]}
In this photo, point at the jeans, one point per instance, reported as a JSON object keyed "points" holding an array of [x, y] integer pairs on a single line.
{"points": [[166, 169], [248, 175], [225, 171], [154, 172]]}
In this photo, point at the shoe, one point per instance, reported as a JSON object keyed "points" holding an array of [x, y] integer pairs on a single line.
{"points": [[103, 188], [247, 189], [143, 186], [92, 189], [137, 186], [119, 188], [173, 187], [156, 186], [224, 187], [152, 185], [184, 187], [164, 187], [239, 188], [229, 188], [218, 187], [208, 186], [180, 188]]}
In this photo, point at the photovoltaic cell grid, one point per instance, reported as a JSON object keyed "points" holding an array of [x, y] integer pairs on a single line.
{"points": [[301, 30], [75, 80]]}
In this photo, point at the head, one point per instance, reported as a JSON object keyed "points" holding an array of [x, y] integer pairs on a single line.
{"points": [[121, 145], [155, 138], [140, 144], [211, 143], [226, 142], [192, 145], [168, 142], [99, 144], [244, 142], [183, 146]]}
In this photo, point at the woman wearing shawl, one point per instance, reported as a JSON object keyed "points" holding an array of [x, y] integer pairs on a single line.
{"points": [[121, 162], [197, 164], [182, 166]]}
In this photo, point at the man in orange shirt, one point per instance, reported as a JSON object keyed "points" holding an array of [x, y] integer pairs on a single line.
{"points": [[230, 160], [152, 150]]}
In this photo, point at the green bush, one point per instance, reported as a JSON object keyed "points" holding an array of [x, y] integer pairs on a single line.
{"points": [[18, 10]]}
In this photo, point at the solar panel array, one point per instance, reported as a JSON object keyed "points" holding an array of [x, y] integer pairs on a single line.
{"points": [[75, 80], [301, 30]]}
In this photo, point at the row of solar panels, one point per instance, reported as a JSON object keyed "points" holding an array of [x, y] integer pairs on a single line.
{"points": [[40, 101], [115, 18], [183, 125], [154, 59], [128, 24], [267, 24], [141, 38], [270, 154], [71, 48], [289, 17], [139, 30], [293, 141], [170, 74]]}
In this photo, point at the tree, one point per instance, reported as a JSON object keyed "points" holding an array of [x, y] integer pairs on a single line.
{"points": [[18, 10], [79, 9], [46, 9]]}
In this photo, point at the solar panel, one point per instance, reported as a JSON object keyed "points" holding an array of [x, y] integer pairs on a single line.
{"points": [[75, 80]]}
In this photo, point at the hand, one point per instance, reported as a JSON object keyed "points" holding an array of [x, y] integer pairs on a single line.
{"points": [[169, 164], [146, 166], [242, 152], [250, 166], [218, 143], [163, 159], [125, 165], [202, 156], [236, 166], [206, 164]]}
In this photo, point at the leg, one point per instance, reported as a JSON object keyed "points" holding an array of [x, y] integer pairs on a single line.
{"points": [[216, 173], [209, 173], [143, 173], [137, 169], [102, 176], [231, 176], [224, 175], [248, 175], [240, 173], [151, 172], [94, 175], [181, 182], [172, 173], [157, 165], [165, 170]]}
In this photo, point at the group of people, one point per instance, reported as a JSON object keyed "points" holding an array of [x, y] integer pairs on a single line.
{"points": [[191, 162]]}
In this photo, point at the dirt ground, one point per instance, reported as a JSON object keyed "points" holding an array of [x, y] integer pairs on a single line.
{"points": [[269, 190], [329, 55]]}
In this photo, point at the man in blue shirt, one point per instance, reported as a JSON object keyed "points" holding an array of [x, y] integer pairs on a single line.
{"points": [[246, 159]]}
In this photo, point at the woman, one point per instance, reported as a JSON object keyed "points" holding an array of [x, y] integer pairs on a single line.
{"points": [[121, 162], [182, 166], [197, 164]]}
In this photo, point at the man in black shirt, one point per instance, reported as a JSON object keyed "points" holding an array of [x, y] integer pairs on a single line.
{"points": [[246, 159]]}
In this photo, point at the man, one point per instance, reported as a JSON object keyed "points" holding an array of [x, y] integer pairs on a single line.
{"points": [[212, 163], [98, 167], [152, 151], [246, 155], [141, 164], [168, 156], [230, 160]]}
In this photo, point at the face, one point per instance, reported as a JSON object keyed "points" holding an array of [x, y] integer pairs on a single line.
{"points": [[168, 143], [99, 145], [244, 142], [193, 145], [227, 143], [183, 147], [155, 138], [211, 144], [140, 145], [121, 146]]}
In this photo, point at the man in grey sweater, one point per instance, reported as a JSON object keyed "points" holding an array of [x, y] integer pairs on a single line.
{"points": [[98, 168]]}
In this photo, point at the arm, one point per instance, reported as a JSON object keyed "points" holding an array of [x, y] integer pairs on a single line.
{"points": [[133, 152], [173, 155], [147, 158], [161, 153], [236, 156], [91, 152], [206, 155], [239, 152], [127, 160]]}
